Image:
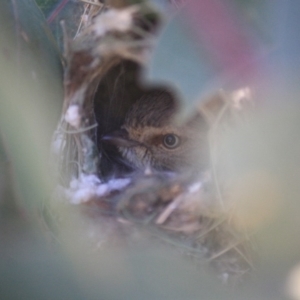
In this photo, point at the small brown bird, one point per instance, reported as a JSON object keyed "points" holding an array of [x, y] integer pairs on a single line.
{"points": [[150, 136]]}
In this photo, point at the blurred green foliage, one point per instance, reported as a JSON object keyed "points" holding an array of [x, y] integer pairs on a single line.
{"points": [[31, 92]]}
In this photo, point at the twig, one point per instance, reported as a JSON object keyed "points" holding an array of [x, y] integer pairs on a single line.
{"points": [[214, 226], [174, 242], [92, 3], [232, 246], [170, 208], [81, 130], [212, 154], [66, 41], [244, 257]]}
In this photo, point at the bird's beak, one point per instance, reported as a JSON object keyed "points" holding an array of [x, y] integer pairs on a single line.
{"points": [[120, 138]]}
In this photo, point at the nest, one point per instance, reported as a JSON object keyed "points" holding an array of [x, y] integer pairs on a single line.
{"points": [[102, 78]]}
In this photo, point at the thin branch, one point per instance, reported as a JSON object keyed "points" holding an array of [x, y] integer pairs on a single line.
{"points": [[92, 3]]}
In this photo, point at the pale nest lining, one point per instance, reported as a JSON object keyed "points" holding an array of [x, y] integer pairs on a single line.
{"points": [[89, 187], [115, 20], [72, 116], [185, 212]]}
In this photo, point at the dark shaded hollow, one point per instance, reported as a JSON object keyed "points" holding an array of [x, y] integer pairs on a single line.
{"points": [[117, 91]]}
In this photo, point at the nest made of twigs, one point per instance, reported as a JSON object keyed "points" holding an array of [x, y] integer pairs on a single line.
{"points": [[113, 45]]}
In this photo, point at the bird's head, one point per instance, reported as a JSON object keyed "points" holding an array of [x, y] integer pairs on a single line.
{"points": [[150, 137]]}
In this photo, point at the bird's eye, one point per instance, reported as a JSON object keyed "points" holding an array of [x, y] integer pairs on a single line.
{"points": [[171, 141]]}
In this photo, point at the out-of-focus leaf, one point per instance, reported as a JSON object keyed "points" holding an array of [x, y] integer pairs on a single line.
{"points": [[262, 164], [31, 93], [30, 100], [27, 44]]}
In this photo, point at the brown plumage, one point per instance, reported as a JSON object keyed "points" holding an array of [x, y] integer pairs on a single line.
{"points": [[150, 136]]}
